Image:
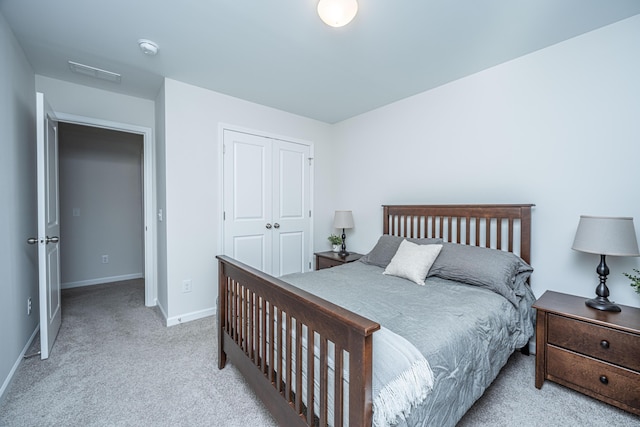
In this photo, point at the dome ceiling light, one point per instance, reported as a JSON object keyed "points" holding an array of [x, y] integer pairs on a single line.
{"points": [[148, 47], [337, 13]]}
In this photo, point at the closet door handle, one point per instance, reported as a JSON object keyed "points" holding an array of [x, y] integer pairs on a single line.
{"points": [[54, 239], [276, 225], [268, 226]]}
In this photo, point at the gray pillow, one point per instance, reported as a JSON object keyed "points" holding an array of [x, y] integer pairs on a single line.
{"points": [[489, 268], [387, 246]]}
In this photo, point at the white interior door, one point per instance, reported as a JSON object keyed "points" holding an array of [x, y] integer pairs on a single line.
{"points": [[247, 199], [48, 226], [267, 203], [291, 208]]}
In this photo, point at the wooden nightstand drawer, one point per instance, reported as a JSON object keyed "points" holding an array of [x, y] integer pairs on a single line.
{"points": [[593, 376], [619, 347], [328, 263], [331, 259]]}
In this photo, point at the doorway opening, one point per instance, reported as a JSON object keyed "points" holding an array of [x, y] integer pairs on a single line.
{"points": [[115, 231], [101, 205]]}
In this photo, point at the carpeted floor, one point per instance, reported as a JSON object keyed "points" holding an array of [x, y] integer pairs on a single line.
{"points": [[115, 364]]}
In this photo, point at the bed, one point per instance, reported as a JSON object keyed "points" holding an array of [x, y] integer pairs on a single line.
{"points": [[305, 342]]}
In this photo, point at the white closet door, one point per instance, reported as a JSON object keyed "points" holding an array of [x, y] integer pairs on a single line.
{"points": [[267, 203], [247, 199], [291, 202]]}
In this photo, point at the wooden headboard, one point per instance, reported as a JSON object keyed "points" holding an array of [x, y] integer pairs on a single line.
{"points": [[504, 227]]}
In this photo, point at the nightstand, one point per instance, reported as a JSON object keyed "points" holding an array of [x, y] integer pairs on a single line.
{"points": [[591, 351], [331, 259]]}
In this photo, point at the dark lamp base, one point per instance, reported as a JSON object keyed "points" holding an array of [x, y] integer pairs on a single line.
{"points": [[603, 304], [343, 254]]}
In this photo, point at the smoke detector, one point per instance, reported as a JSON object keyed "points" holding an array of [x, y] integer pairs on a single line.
{"points": [[148, 47]]}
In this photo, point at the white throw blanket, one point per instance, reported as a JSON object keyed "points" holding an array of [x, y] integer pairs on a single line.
{"points": [[402, 378]]}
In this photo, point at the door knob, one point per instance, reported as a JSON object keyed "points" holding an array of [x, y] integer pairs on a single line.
{"points": [[276, 225], [32, 240], [54, 239], [268, 226]]}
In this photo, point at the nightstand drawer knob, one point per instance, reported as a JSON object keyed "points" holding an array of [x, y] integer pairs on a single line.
{"points": [[604, 344], [604, 380]]}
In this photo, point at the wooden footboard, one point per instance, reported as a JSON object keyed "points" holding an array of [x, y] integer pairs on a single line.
{"points": [[263, 324]]}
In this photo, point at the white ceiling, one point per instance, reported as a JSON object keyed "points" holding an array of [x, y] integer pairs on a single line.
{"points": [[280, 54]]}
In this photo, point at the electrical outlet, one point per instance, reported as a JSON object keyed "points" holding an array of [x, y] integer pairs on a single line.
{"points": [[105, 259], [186, 286], [29, 306]]}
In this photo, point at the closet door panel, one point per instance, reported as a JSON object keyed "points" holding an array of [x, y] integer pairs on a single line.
{"points": [[251, 250], [291, 249], [291, 207], [248, 235]]}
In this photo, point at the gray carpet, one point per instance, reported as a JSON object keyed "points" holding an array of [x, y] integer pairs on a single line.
{"points": [[115, 364]]}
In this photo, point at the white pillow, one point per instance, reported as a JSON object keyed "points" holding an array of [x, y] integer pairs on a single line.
{"points": [[413, 261]]}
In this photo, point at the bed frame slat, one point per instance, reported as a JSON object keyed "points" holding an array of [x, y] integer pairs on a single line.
{"points": [[310, 375], [338, 381]]}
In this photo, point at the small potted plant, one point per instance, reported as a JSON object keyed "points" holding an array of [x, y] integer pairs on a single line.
{"points": [[635, 280], [336, 242]]}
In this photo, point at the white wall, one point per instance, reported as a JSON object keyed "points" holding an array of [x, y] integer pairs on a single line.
{"points": [[70, 98], [558, 128], [18, 221], [101, 206], [193, 184]]}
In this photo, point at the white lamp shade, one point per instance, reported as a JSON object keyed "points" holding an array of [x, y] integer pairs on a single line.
{"points": [[343, 219], [337, 13], [606, 236]]}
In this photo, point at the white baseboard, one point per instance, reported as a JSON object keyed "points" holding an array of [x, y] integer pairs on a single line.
{"points": [[187, 317], [7, 381], [101, 280]]}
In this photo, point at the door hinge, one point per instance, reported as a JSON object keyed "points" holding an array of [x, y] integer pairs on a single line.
{"points": [[224, 149], [309, 265], [310, 159], [309, 213], [224, 215]]}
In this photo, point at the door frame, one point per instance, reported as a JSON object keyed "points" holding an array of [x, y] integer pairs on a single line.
{"points": [[225, 126], [149, 194]]}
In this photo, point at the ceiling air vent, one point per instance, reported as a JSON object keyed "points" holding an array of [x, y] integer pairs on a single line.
{"points": [[94, 72]]}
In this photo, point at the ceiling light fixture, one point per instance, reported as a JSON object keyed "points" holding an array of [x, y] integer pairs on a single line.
{"points": [[98, 73], [337, 13], [148, 47]]}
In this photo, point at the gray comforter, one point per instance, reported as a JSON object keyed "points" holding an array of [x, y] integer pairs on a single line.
{"points": [[466, 333]]}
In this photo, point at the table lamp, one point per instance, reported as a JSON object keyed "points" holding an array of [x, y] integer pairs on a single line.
{"points": [[601, 235], [343, 219]]}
